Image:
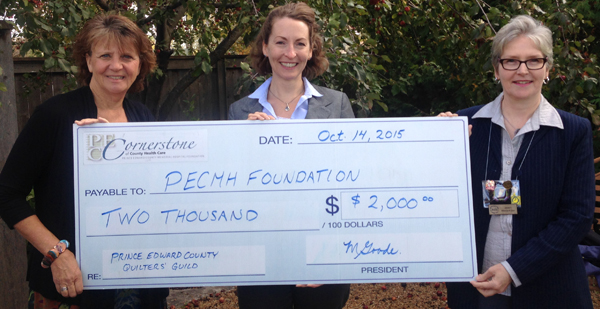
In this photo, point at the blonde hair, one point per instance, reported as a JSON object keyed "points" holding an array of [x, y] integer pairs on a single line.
{"points": [[529, 27]]}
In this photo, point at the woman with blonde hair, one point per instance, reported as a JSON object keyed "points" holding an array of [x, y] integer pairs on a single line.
{"points": [[528, 256], [113, 56]]}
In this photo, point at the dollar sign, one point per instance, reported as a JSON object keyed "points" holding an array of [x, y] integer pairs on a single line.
{"points": [[355, 200], [334, 208]]}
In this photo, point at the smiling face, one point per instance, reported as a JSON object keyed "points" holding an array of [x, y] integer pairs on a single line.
{"points": [[522, 84], [114, 68], [288, 48]]}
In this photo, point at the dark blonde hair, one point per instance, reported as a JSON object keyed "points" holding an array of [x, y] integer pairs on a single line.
{"points": [[298, 11], [123, 32]]}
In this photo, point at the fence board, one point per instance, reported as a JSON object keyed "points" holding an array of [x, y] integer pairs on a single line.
{"points": [[13, 266]]}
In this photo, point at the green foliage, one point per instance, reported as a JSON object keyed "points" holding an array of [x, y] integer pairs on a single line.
{"points": [[48, 29], [418, 58], [440, 53], [37, 81], [354, 66], [176, 27], [31, 199], [392, 58], [189, 109]]}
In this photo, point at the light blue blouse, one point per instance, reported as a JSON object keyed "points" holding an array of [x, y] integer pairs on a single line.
{"points": [[301, 108]]}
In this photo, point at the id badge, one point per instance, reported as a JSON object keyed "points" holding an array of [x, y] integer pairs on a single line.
{"points": [[501, 197]]}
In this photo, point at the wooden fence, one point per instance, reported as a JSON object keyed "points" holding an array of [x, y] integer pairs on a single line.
{"points": [[206, 99], [13, 267]]}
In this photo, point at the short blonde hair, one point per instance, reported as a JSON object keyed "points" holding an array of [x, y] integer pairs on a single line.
{"points": [[529, 27]]}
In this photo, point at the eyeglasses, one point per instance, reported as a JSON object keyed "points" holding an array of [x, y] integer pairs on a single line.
{"points": [[514, 64]]}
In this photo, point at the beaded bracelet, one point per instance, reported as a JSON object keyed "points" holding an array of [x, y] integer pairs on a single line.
{"points": [[54, 253]]}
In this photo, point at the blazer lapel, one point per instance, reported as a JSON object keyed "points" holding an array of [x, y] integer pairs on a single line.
{"points": [[318, 108], [526, 145], [539, 134], [252, 107], [495, 157]]}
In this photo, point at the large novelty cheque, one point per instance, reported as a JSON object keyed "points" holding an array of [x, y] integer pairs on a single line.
{"points": [[273, 202]]}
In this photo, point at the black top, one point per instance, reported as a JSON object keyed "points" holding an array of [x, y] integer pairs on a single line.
{"points": [[42, 159]]}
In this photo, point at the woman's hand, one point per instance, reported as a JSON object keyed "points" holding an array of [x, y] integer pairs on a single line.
{"points": [[88, 121], [308, 285], [66, 274], [450, 114], [65, 270], [494, 281], [447, 114], [260, 116]]}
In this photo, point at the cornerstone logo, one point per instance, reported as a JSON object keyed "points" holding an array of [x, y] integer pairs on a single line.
{"points": [[96, 143], [145, 146]]}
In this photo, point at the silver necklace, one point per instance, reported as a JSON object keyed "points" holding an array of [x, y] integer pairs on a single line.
{"points": [[287, 105], [510, 123]]}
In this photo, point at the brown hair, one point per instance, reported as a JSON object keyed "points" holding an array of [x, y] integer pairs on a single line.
{"points": [[298, 11], [123, 32]]}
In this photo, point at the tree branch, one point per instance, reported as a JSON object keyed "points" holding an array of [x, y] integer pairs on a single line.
{"points": [[164, 32], [226, 6], [176, 4], [486, 17], [458, 13], [103, 5], [256, 11], [189, 77], [156, 12]]}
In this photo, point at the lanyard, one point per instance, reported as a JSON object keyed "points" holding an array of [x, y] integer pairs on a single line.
{"points": [[487, 159]]}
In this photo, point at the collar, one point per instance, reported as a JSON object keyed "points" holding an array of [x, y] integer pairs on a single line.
{"points": [[262, 92], [544, 115]]}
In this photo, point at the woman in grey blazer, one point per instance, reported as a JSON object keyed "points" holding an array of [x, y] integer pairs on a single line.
{"points": [[290, 47]]}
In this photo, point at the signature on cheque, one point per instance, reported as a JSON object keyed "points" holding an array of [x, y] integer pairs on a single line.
{"points": [[368, 248]]}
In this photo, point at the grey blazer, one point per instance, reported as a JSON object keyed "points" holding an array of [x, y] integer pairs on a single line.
{"points": [[333, 104]]}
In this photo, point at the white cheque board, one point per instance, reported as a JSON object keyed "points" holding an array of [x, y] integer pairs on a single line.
{"points": [[273, 202]]}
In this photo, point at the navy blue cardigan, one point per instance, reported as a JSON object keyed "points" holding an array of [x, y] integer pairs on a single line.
{"points": [[557, 194]]}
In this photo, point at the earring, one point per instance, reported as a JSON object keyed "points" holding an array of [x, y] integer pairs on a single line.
{"points": [[496, 80], [546, 80]]}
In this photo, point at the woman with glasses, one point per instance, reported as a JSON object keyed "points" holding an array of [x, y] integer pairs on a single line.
{"points": [[527, 250]]}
